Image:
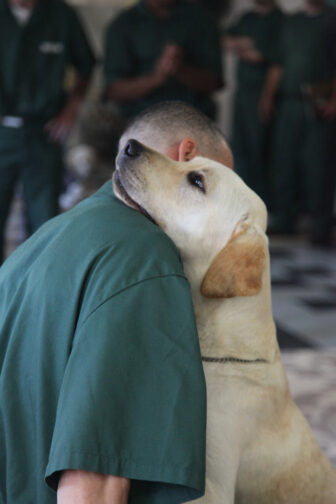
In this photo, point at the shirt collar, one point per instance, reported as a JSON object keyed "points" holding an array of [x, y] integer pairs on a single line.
{"points": [[142, 7]]}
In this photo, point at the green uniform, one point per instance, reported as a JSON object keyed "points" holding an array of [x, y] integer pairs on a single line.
{"points": [[34, 58], [136, 38], [99, 358], [249, 133], [301, 139]]}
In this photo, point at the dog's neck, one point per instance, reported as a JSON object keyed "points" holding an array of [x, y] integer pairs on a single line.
{"points": [[239, 327]]}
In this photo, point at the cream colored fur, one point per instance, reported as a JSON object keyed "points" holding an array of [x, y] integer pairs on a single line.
{"points": [[260, 449]]}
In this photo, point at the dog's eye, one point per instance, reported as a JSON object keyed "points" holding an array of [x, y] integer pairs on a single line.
{"points": [[196, 179]]}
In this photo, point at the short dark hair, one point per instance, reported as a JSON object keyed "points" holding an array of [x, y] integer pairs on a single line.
{"points": [[169, 122]]}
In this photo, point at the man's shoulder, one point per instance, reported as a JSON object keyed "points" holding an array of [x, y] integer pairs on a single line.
{"points": [[103, 222], [195, 12], [59, 7], [126, 18], [296, 17], [122, 247], [101, 240]]}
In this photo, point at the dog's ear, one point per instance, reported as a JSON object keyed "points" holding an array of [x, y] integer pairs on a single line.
{"points": [[237, 269]]}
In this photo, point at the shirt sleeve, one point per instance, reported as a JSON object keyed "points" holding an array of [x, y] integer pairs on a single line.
{"points": [[277, 55], [205, 49], [81, 55], [132, 401], [119, 61], [273, 49], [236, 29]]}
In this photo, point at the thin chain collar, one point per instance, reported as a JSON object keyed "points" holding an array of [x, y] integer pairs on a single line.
{"points": [[224, 360]]}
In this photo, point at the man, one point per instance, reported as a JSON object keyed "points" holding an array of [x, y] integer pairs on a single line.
{"points": [[102, 389], [39, 40], [254, 40], [162, 50], [304, 140]]}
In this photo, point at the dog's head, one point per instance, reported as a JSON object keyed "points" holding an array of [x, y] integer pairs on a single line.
{"points": [[216, 221]]}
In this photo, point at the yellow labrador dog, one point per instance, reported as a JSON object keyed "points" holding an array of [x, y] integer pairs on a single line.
{"points": [[260, 449]]}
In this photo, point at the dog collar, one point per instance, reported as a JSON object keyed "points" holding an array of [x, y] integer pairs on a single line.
{"points": [[223, 360]]}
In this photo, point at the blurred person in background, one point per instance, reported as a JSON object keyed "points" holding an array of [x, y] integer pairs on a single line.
{"points": [[163, 50], [254, 40], [304, 138], [39, 40]]}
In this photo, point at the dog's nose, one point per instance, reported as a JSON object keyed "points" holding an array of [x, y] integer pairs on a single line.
{"points": [[133, 148]]}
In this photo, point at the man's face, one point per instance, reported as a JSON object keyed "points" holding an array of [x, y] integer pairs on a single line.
{"points": [[316, 4], [160, 4], [24, 4], [264, 3]]}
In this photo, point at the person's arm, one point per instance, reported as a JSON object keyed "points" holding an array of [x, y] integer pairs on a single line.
{"points": [[198, 79], [251, 55], [133, 387], [82, 60], [271, 86], [59, 127], [122, 83], [200, 67], [134, 88], [235, 38], [237, 43], [329, 108], [83, 487]]}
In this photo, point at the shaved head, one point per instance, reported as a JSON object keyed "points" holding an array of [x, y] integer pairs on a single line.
{"points": [[165, 125]]}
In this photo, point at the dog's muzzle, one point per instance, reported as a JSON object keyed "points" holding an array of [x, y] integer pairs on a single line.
{"points": [[131, 152]]}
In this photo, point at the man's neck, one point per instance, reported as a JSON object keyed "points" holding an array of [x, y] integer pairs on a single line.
{"points": [[28, 5], [264, 9], [162, 12]]}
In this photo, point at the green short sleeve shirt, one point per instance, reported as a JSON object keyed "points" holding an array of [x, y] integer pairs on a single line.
{"points": [[136, 38], [100, 360], [308, 53], [264, 30], [34, 58]]}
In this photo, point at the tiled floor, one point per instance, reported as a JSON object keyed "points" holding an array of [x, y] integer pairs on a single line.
{"points": [[304, 307], [304, 293]]}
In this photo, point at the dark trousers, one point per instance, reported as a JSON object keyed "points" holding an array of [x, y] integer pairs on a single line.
{"points": [[248, 144], [28, 156], [301, 166]]}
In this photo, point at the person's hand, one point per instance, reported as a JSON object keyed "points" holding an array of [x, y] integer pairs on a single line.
{"points": [[244, 44], [328, 110], [238, 44], [59, 127], [251, 55], [169, 60], [266, 107]]}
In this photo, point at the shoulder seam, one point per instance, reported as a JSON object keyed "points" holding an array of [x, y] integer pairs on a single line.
{"points": [[174, 275]]}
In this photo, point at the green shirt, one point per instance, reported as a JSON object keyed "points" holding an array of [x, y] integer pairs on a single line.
{"points": [[100, 360], [308, 51], [136, 38], [264, 30], [34, 58]]}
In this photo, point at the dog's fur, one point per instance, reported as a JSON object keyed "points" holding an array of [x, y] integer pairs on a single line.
{"points": [[260, 449]]}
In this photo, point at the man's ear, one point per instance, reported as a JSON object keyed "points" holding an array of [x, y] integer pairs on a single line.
{"points": [[187, 149], [237, 269]]}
